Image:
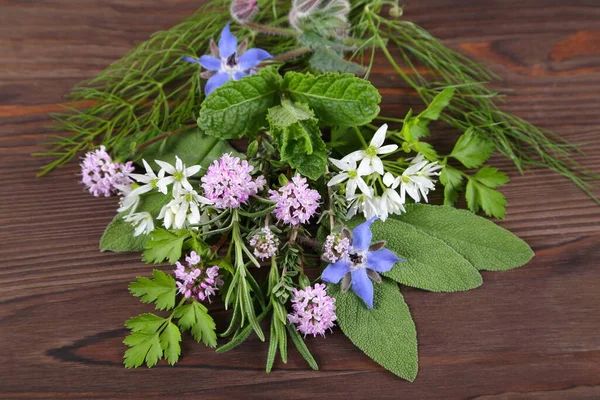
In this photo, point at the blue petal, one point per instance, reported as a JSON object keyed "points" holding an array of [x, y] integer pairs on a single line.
{"points": [[253, 57], [210, 63], [215, 81], [191, 59], [362, 286], [362, 236], [382, 260], [335, 272], [227, 43], [239, 75]]}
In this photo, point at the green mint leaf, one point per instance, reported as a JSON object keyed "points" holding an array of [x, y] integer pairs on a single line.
{"points": [[143, 347], [298, 138], [452, 180], [491, 177], [336, 99], [160, 290], [164, 245], [195, 318], [491, 201], [238, 108], [118, 235], [437, 105], [484, 244], [430, 263], [472, 150], [147, 323], [169, 342], [325, 59], [192, 146], [385, 333]]}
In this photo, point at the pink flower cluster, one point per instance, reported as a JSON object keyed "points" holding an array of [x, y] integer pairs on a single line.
{"points": [[296, 203], [101, 175], [265, 243], [336, 247], [228, 182], [195, 282], [314, 310]]}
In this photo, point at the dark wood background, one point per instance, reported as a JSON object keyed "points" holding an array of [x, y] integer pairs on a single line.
{"points": [[531, 333]]}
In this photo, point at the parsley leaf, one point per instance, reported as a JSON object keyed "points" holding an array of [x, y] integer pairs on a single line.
{"points": [[169, 342], [194, 317], [160, 290], [481, 196], [143, 347], [452, 180], [418, 126], [472, 150], [164, 245], [491, 177]]}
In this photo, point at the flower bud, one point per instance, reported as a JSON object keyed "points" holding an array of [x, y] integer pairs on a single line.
{"points": [[243, 11]]}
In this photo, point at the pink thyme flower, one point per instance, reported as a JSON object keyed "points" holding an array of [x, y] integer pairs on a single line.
{"points": [[335, 248], [101, 175], [228, 182], [196, 282], [314, 311], [296, 203], [265, 243]]}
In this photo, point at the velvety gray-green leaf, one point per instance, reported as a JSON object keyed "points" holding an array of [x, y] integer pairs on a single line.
{"points": [[430, 264], [486, 245], [385, 333], [336, 99], [238, 108], [118, 235], [192, 146]]}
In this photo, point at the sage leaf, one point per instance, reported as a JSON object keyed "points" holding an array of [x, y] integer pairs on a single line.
{"points": [[118, 235], [192, 146], [430, 263], [238, 108], [336, 99], [484, 244], [386, 333]]}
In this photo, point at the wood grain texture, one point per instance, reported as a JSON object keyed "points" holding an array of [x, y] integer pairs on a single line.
{"points": [[530, 333]]}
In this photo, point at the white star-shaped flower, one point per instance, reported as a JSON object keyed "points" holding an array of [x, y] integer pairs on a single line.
{"points": [[369, 158], [350, 174], [178, 176]]}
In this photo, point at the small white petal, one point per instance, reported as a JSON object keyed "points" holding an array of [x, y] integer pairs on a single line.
{"points": [[351, 188], [355, 156], [193, 170], [387, 149], [342, 165], [365, 167], [388, 179], [379, 136], [339, 178], [362, 185], [377, 165], [165, 166]]}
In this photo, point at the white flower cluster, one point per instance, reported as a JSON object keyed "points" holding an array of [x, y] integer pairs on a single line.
{"points": [[360, 189], [184, 208]]}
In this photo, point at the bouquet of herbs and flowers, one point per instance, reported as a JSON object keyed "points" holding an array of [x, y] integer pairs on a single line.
{"points": [[248, 151]]}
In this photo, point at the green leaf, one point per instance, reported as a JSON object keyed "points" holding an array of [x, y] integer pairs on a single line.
{"points": [[298, 138], [147, 323], [484, 244], [143, 347], [325, 59], [192, 146], [336, 99], [491, 201], [452, 180], [118, 235], [160, 290], [238, 108], [427, 150], [301, 346], [472, 150], [169, 341], [491, 177], [437, 105], [430, 263], [164, 245], [385, 333], [195, 318]]}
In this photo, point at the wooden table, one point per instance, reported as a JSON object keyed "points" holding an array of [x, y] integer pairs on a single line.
{"points": [[529, 333]]}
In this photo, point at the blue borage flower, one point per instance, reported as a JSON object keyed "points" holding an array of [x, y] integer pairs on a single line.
{"points": [[228, 61], [362, 263]]}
